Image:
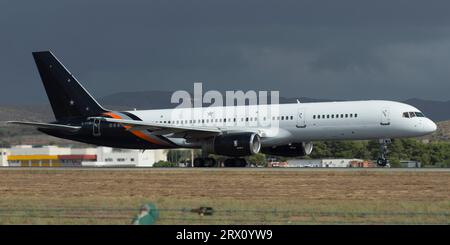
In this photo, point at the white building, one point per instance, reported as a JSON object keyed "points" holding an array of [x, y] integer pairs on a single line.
{"points": [[410, 164], [66, 156], [4, 157], [39, 150], [304, 163], [108, 157], [324, 163]]}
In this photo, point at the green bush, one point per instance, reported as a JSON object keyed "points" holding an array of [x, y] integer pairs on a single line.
{"points": [[165, 164]]}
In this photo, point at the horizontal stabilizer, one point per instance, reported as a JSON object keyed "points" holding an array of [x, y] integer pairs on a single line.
{"points": [[47, 125]]}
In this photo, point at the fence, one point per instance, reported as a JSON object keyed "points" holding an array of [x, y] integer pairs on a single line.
{"points": [[96, 215]]}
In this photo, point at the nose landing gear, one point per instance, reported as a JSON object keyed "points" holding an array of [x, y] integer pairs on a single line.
{"points": [[382, 160]]}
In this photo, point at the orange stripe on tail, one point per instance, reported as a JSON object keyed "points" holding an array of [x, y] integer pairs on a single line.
{"points": [[135, 132]]}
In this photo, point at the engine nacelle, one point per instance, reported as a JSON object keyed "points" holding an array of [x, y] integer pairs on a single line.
{"points": [[291, 150], [235, 144]]}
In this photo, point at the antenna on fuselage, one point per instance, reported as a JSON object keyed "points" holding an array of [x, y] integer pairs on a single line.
{"points": [[298, 101]]}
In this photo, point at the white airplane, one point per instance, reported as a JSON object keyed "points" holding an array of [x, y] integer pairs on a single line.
{"points": [[243, 132]]}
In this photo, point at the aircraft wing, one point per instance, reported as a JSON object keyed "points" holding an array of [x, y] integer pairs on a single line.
{"points": [[164, 129], [47, 125]]}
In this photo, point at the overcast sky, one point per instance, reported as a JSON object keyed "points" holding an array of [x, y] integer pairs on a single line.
{"points": [[319, 49]]}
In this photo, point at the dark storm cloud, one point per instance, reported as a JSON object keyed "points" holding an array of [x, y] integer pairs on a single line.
{"points": [[324, 49]]}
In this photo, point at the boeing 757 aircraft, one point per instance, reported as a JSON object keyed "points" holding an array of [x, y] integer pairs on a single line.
{"points": [[80, 117]]}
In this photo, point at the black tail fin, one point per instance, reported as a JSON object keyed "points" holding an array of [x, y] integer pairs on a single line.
{"points": [[67, 96]]}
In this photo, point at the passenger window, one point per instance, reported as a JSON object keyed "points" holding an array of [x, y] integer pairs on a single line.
{"points": [[318, 116], [346, 115], [292, 117], [328, 116], [356, 115], [332, 115], [342, 115], [314, 117]]}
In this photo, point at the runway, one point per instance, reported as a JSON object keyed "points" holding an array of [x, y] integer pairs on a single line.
{"points": [[147, 169]]}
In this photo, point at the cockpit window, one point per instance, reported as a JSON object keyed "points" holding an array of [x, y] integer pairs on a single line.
{"points": [[413, 114]]}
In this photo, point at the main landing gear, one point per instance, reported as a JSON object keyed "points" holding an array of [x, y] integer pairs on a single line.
{"points": [[207, 162], [235, 163], [382, 160]]}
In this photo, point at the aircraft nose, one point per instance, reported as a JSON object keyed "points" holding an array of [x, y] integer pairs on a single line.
{"points": [[429, 127]]}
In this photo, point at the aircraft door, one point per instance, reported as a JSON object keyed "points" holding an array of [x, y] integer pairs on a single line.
{"points": [[385, 117], [301, 118], [96, 127]]}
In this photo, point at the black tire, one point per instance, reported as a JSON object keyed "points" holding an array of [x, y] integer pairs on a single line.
{"points": [[199, 162], [382, 162], [209, 162], [204, 162], [235, 163]]}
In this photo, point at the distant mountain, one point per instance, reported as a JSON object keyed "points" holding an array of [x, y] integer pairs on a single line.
{"points": [[29, 112]]}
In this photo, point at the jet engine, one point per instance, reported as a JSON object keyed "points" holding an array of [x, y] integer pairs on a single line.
{"points": [[291, 150], [235, 144]]}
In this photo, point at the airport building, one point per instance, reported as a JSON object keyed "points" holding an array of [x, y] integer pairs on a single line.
{"points": [[328, 163], [126, 158], [54, 156], [4, 157]]}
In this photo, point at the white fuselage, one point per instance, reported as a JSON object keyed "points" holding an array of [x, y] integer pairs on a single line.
{"points": [[302, 122]]}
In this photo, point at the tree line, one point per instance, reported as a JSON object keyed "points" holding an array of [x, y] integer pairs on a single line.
{"points": [[432, 154]]}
